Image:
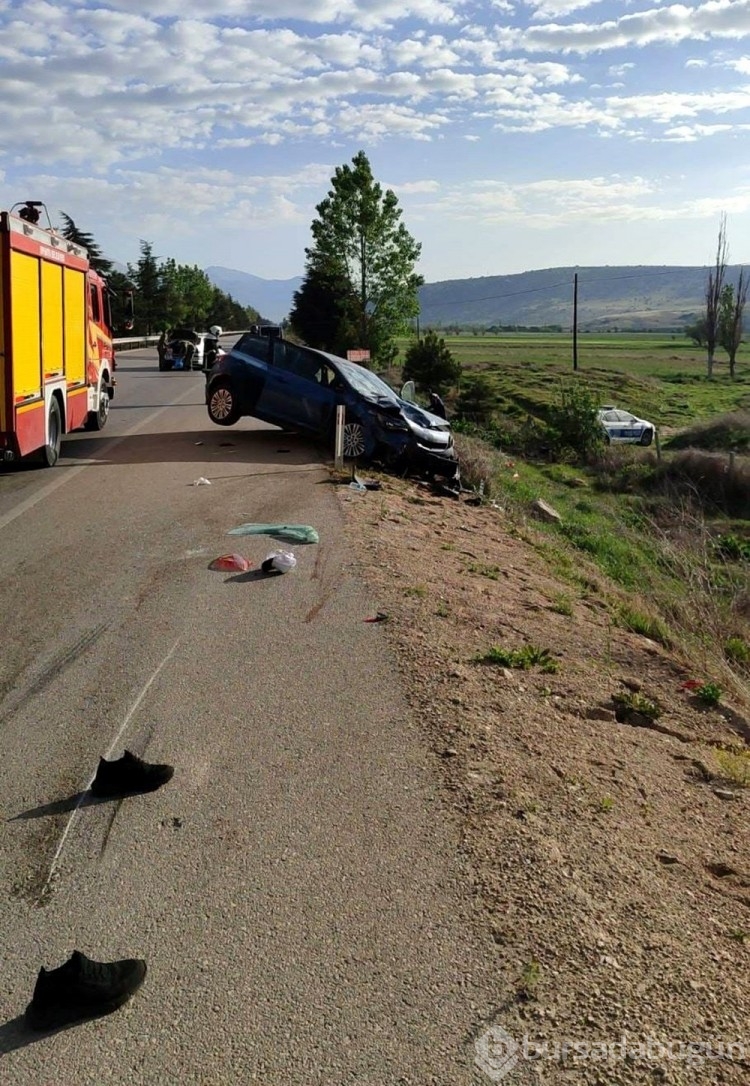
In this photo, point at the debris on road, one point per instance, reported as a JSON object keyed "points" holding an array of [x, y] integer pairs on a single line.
{"points": [[82, 988], [128, 775], [279, 562], [201, 482], [381, 616], [230, 563], [287, 533], [365, 484]]}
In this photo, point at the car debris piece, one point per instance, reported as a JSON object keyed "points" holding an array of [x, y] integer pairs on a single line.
{"points": [[279, 562], [287, 533], [201, 482], [230, 563], [381, 616], [365, 484]]}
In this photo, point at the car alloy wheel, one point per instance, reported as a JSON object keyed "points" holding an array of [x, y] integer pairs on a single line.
{"points": [[223, 408], [354, 439]]}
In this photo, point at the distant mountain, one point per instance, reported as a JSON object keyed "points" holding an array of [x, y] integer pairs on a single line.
{"points": [[271, 297], [625, 297]]}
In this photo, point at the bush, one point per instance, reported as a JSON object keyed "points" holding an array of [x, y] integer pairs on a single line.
{"points": [[477, 400], [708, 480], [731, 431], [480, 462], [574, 426], [430, 364], [527, 437]]}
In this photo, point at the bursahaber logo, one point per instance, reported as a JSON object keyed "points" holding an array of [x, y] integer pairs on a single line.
{"points": [[496, 1053]]}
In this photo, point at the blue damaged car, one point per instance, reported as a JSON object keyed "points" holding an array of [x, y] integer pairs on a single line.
{"points": [[269, 378]]}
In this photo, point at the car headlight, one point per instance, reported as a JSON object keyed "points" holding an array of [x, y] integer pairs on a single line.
{"points": [[392, 422]]}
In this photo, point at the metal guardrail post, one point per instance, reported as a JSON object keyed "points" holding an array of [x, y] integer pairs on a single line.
{"points": [[339, 444]]}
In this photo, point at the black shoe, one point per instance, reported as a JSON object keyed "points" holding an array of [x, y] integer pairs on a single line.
{"points": [[82, 989], [129, 774]]}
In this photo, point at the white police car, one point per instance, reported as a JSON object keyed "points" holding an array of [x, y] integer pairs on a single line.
{"points": [[622, 427]]}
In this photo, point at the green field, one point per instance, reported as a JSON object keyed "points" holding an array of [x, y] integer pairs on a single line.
{"points": [[660, 377]]}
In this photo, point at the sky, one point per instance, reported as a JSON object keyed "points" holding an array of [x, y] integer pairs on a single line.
{"points": [[516, 134]]}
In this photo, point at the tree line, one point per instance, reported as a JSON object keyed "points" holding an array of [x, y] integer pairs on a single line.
{"points": [[165, 294]]}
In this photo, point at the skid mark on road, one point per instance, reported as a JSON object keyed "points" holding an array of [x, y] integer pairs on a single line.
{"points": [[112, 747], [326, 585], [51, 671]]}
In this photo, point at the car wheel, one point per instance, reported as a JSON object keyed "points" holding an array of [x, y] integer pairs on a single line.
{"points": [[50, 454], [223, 408], [646, 437], [354, 439], [97, 420]]}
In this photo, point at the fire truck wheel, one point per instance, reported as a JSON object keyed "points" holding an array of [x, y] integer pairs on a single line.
{"points": [[51, 451], [96, 420]]}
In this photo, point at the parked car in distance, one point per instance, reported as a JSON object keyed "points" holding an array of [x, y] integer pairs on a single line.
{"points": [[622, 427], [268, 378], [186, 349]]}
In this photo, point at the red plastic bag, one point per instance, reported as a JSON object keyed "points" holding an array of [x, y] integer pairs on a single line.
{"points": [[230, 563]]}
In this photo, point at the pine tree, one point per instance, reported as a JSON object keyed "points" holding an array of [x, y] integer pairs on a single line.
{"points": [[73, 233]]}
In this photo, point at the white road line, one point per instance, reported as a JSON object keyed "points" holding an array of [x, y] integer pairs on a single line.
{"points": [[128, 717], [69, 473]]}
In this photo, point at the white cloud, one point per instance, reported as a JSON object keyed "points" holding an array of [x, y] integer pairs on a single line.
{"points": [[553, 9], [691, 133], [410, 187], [671, 24], [371, 14]]}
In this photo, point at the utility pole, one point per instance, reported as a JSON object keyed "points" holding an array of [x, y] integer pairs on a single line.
{"points": [[575, 321]]}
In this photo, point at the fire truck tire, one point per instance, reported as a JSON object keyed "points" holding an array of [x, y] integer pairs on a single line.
{"points": [[50, 454], [97, 420]]}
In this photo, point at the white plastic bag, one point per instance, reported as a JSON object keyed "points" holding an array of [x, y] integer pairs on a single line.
{"points": [[279, 562]]}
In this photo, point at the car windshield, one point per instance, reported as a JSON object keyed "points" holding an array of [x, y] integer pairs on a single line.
{"points": [[362, 380]]}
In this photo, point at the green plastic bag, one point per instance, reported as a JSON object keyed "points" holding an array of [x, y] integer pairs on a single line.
{"points": [[287, 533]]}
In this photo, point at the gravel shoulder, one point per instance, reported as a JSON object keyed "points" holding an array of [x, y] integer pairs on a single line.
{"points": [[609, 860]]}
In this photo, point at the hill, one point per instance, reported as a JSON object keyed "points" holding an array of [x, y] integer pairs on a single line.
{"points": [[271, 297], [613, 297], [609, 297]]}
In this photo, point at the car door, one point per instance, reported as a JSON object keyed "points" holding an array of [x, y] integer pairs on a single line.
{"points": [[247, 368], [628, 428], [297, 392]]}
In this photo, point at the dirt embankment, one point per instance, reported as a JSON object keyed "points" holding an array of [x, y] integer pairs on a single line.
{"points": [[610, 858]]}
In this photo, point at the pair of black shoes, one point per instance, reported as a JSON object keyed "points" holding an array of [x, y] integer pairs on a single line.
{"points": [[83, 988]]}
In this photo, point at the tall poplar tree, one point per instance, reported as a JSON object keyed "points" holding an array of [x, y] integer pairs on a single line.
{"points": [[364, 258]]}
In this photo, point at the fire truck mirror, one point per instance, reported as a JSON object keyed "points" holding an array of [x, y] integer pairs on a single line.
{"points": [[129, 311]]}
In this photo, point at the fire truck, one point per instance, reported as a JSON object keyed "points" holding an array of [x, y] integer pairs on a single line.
{"points": [[57, 360]]}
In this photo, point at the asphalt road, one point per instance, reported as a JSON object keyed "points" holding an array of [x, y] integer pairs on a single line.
{"points": [[294, 889]]}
